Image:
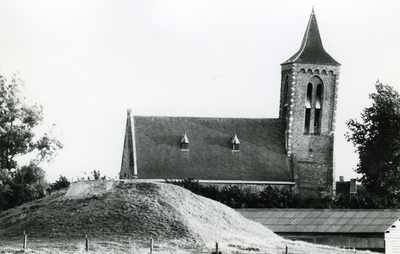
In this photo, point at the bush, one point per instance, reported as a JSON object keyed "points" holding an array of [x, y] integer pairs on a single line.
{"points": [[237, 196], [61, 183], [23, 185]]}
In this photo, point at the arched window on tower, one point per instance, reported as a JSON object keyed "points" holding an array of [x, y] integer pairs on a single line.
{"points": [[318, 108], [308, 109]]}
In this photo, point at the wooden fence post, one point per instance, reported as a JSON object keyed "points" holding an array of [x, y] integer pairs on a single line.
{"points": [[286, 252], [87, 243], [25, 241], [216, 247], [151, 245]]}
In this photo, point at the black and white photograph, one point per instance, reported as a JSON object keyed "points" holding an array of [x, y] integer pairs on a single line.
{"points": [[171, 126]]}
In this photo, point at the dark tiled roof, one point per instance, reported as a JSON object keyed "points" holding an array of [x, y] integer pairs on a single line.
{"points": [[311, 50], [262, 155], [323, 220]]}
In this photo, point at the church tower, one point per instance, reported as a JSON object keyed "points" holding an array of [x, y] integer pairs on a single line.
{"points": [[309, 83]]}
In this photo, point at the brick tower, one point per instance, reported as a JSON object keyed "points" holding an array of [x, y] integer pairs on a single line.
{"points": [[308, 103]]}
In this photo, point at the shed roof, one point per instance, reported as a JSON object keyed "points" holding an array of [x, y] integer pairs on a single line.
{"points": [[323, 220], [262, 155]]}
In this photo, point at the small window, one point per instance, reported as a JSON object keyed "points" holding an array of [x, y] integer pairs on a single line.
{"points": [[184, 142], [235, 143]]}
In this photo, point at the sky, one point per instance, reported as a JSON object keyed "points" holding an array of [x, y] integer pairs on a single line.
{"points": [[87, 62]]}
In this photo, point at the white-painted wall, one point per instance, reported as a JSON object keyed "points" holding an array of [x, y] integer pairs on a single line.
{"points": [[392, 239]]}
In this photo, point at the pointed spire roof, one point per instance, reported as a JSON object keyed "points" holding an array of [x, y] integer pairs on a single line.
{"points": [[311, 50]]}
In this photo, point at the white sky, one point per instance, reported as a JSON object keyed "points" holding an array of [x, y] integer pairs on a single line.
{"points": [[86, 62]]}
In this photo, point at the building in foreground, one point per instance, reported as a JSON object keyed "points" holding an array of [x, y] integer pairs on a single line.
{"points": [[362, 229]]}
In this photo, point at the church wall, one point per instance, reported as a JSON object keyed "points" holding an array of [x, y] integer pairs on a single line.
{"points": [[127, 165]]}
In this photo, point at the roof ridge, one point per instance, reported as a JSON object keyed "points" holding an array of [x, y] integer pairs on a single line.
{"points": [[210, 117]]}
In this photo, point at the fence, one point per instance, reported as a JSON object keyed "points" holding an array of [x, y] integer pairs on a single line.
{"points": [[217, 249]]}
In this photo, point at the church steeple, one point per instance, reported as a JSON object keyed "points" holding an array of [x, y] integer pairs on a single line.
{"points": [[311, 50], [309, 85]]}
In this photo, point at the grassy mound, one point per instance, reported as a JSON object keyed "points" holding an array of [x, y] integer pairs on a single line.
{"points": [[119, 213]]}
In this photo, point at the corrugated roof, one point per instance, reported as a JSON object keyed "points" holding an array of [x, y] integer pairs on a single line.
{"points": [[311, 49], [262, 155], [323, 220]]}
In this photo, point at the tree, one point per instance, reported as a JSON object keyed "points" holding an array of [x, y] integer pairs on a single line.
{"points": [[377, 141], [17, 123], [17, 137]]}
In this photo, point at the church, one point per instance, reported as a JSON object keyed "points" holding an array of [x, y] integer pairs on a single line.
{"points": [[294, 150]]}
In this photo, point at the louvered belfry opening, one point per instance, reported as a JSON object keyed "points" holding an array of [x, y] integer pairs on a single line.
{"points": [[308, 109], [318, 108], [313, 107]]}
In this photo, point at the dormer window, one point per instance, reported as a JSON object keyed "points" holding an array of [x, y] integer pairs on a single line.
{"points": [[184, 142], [235, 143]]}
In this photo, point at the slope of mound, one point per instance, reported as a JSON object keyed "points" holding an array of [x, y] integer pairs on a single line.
{"points": [[112, 210], [139, 210]]}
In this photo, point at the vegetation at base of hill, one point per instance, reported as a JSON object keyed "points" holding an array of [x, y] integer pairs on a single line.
{"points": [[377, 141], [18, 120], [25, 185], [28, 183], [236, 196]]}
